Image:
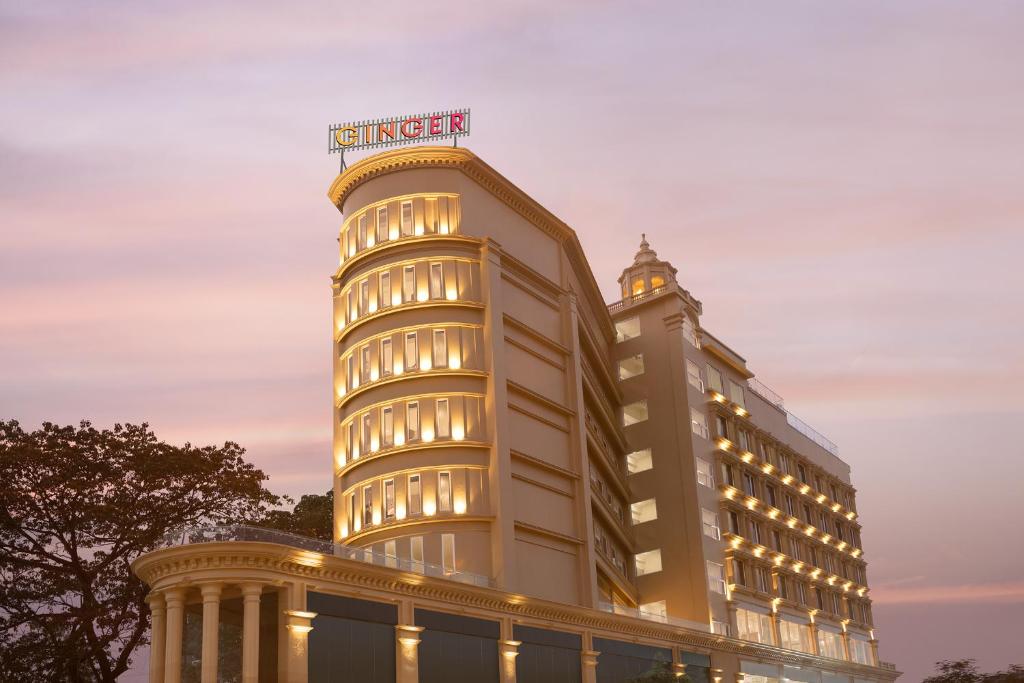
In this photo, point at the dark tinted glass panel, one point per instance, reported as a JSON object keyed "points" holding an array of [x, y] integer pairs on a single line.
{"points": [[456, 649], [547, 656], [351, 640], [621, 662]]}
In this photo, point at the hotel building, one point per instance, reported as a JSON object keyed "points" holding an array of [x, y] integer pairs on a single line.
{"points": [[530, 485]]}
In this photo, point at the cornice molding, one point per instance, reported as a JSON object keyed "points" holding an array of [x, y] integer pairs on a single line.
{"points": [[241, 561]]}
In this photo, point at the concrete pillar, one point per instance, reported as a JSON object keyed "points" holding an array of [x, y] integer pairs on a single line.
{"points": [[874, 652], [211, 629], [846, 645], [251, 632], [776, 629], [158, 637], [812, 632], [589, 658], [508, 650], [407, 669], [175, 598], [296, 655], [730, 610]]}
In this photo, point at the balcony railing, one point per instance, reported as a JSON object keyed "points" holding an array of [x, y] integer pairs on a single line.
{"points": [[221, 533], [650, 616], [635, 298], [794, 421]]}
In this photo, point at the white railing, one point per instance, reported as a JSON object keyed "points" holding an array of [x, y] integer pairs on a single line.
{"points": [[794, 421], [221, 533]]}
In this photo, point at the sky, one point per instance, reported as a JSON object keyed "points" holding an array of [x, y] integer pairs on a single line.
{"points": [[841, 183]]}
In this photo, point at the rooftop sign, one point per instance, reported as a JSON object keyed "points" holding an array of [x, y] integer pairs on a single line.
{"points": [[397, 130]]}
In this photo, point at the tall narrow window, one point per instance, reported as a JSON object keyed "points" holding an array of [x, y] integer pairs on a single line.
{"points": [[364, 297], [352, 511], [716, 577], [693, 375], [412, 421], [386, 359], [416, 553], [362, 232], [407, 228], [350, 439], [705, 475], [440, 350], [409, 283], [444, 492], [436, 281], [384, 289], [736, 394], [367, 505], [709, 523], [350, 363], [698, 423], [390, 553], [412, 355], [448, 553], [387, 426], [690, 332], [364, 435], [715, 379], [415, 495], [364, 364], [442, 418], [389, 498], [382, 220]]}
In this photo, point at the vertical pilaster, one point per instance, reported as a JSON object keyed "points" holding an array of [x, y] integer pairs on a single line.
{"points": [[508, 650], [175, 598], [211, 629], [251, 632], [846, 645], [812, 632], [776, 629], [296, 656], [158, 637], [407, 666], [874, 651], [589, 658]]}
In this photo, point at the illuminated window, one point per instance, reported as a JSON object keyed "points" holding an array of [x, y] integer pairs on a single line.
{"points": [[734, 523], [721, 426], [412, 420], [709, 524], [448, 553], [719, 627], [693, 376], [382, 220], [364, 364], [777, 541], [390, 554], [352, 511], [444, 492], [705, 475], [773, 496], [736, 394], [749, 487], [764, 582], [389, 498], [386, 360], [416, 553], [715, 379], [384, 290], [754, 626], [631, 367], [634, 412], [627, 329], [350, 374], [648, 562], [657, 281], [644, 511], [364, 296], [350, 438], [860, 650], [716, 577], [744, 439], [638, 461], [407, 228], [801, 593], [442, 418], [387, 426], [440, 349], [361, 240], [830, 644], [794, 635], [436, 281], [412, 355], [656, 611], [367, 505], [415, 495], [638, 286], [364, 433], [409, 283], [350, 299], [698, 423]]}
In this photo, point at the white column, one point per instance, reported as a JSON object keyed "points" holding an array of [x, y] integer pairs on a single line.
{"points": [[589, 658], [175, 598], [211, 629], [158, 637], [407, 653], [251, 632], [296, 656], [508, 650]]}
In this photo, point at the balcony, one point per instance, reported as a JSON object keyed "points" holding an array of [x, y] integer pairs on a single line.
{"points": [[794, 421], [220, 533]]}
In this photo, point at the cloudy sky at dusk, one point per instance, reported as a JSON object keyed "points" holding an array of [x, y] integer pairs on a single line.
{"points": [[841, 183]]}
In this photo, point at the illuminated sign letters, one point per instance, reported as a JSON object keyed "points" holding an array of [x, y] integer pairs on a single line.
{"points": [[398, 130]]}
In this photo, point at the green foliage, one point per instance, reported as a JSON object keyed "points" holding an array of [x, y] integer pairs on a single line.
{"points": [[312, 517], [78, 505], [966, 671]]}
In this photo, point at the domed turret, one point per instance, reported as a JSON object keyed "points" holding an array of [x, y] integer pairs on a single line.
{"points": [[648, 272]]}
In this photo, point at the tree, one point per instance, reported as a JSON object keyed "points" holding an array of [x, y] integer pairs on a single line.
{"points": [[966, 671], [313, 517], [78, 505]]}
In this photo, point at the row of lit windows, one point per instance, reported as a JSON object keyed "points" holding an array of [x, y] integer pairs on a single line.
{"points": [[760, 578], [411, 556], [412, 282], [797, 566], [397, 219], [419, 349], [422, 420], [756, 626], [380, 502], [605, 493]]}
